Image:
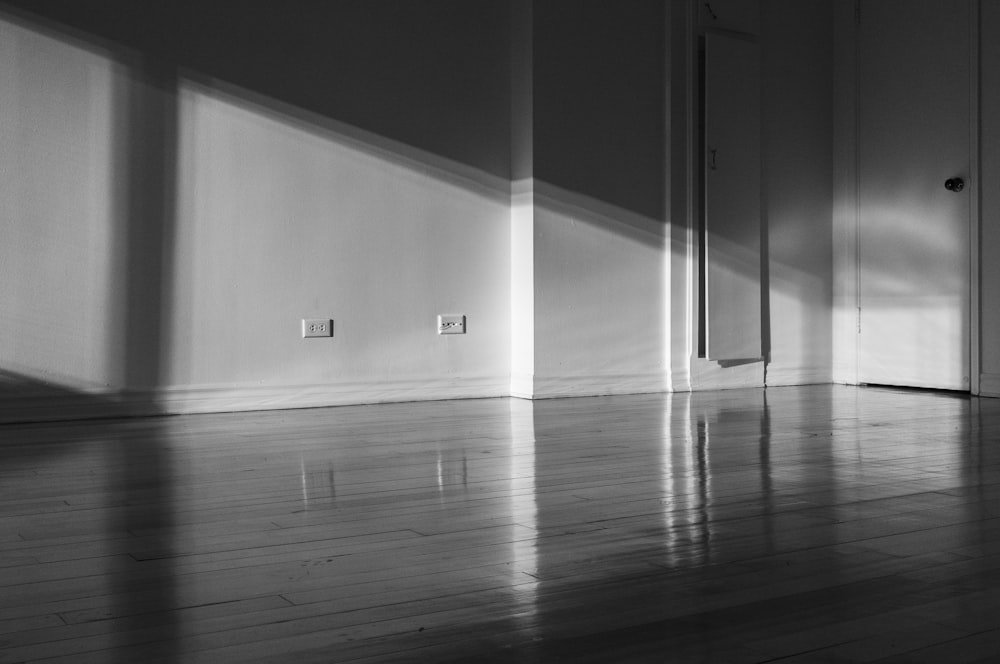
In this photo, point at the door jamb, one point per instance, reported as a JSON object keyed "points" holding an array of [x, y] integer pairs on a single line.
{"points": [[975, 220]]}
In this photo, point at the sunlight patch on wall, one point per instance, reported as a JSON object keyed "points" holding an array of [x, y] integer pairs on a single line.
{"points": [[60, 270], [598, 296], [283, 216]]}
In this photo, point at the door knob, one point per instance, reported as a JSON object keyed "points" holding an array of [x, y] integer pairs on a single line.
{"points": [[954, 184]]}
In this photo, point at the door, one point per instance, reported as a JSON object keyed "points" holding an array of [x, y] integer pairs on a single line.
{"points": [[732, 198], [914, 136]]}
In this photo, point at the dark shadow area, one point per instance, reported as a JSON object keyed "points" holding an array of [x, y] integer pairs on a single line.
{"points": [[28, 400], [121, 500], [94, 498], [739, 363], [432, 74], [906, 389], [600, 101], [147, 188]]}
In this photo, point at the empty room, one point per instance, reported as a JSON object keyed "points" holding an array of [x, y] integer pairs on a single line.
{"points": [[499, 331]]}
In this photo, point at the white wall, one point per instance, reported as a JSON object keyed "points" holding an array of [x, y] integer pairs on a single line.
{"points": [[277, 216], [797, 44], [588, 206], [845, 198], [60, 261], [279, 213], [279, 220], [589, 291], [599, 295]]}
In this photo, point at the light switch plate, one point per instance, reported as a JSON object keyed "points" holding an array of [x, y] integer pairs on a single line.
{"points": [[451, 324]]}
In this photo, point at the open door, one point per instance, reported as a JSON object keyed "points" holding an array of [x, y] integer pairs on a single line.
{"points": [[732, 251]]}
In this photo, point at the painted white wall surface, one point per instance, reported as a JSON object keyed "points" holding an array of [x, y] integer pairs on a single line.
{"points": [[282, 216], [589, 200], [522, 285], [277, 219], [280, 219], [845, 198], [599, 297], [60, 267], [798, 133]]}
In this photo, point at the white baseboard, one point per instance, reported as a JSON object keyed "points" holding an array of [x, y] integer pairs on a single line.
{"points": [[55, 405], [220, 399], [577, 385], [87, 404], [522, 385], [679, 379], [844, 373], [709, 375], [69, 405], [989, 385], [778, 375]]}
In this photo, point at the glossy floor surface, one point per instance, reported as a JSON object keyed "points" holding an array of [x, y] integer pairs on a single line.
{"points": [[813, 524]]}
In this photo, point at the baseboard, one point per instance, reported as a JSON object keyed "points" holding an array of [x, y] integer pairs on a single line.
{"points": [[53, 405], [789, 375], [221, 399], [709, 375], [581, 385], [522, 385], [58, 405], [71, 405], [844, 373], [989, 385], [679, 379]]}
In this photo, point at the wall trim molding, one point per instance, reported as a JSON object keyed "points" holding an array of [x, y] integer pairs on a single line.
{"points": [[592, 385], [679, 379], [91, 404], [780, 376], [209, 399], [58, 404], [989, 385], [710, 375], [522, 385], [96, 403]]}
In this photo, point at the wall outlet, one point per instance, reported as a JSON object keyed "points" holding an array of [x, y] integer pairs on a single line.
{"points": [[451, 324], [317, 327]]}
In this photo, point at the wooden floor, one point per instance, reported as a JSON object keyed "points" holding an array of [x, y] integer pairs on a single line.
{"points": [[813, 524]]}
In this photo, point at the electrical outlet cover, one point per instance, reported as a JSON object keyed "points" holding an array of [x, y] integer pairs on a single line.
{"points": [[316, 327], [451, 324]]}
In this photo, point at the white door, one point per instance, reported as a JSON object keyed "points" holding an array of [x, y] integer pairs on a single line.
{"points": [[732, 198], [914, 132]]}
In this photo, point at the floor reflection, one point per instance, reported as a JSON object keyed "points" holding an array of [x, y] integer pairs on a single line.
{"points": [[688, 474], [319, 484], [142, 482], [717, 527], [523, 510], [636, 544], [452, 471], [88, 509], [684, 441]]}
